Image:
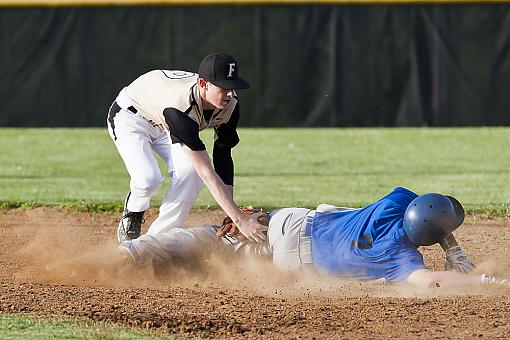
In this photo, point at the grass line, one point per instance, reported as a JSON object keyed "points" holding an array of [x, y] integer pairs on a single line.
{"points": [[21, 326], [81, 169]]}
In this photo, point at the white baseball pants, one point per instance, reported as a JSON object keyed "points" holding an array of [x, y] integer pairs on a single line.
{"points": [[175, 244], [189, 245], [136, 139], [287, 241]]}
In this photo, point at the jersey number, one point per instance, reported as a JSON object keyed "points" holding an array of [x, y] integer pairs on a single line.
{"points": [[177, 74]]}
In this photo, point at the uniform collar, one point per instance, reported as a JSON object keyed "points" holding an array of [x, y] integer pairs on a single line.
{"points": [[197, 101]]}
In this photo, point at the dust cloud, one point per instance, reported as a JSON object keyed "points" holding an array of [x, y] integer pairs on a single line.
{"points": [[61, 250]]}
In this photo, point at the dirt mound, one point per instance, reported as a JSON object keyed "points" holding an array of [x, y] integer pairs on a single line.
{"points": [[59, 262]]}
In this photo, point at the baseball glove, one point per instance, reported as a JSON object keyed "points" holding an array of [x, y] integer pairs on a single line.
{"points": [[229, 228]]}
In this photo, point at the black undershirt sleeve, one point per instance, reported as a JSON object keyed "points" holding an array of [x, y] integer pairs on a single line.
{"points": [[227, 138], [224, 164], [227, 132], [183, 129]]}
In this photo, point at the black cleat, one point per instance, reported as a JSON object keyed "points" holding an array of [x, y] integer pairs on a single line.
{"points": [[130, 225]]}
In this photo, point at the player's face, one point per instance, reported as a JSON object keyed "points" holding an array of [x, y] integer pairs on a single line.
{"points": [[216, 97]]}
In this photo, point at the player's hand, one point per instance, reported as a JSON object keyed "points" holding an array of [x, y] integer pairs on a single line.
{"points": [[251, 228], [457, 260]]}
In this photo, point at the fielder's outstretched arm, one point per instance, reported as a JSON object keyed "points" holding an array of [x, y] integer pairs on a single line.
{"points": [[248, 225]]}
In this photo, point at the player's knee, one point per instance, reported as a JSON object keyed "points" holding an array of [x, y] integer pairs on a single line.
{"points": [[188, 175], [189, 193], [188, 188], [149, 185]]}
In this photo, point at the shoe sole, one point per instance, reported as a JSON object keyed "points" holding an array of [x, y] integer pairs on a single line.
{"points": [[121, 231]]}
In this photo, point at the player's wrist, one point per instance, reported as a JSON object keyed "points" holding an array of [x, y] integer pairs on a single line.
{"points": [[239, 219], [448, 242], [453, 251]]}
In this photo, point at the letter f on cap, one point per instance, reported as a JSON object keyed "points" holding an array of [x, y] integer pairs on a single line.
{"points": [[231, 69]]}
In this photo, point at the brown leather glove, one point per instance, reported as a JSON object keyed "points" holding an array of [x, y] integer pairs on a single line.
{"points": [[229, 228]]}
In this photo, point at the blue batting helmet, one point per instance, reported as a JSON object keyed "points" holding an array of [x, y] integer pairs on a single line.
{"points": [[431, 217]]}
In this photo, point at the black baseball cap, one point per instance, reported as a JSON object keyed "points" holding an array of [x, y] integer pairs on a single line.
{"points": [[222, 70]]}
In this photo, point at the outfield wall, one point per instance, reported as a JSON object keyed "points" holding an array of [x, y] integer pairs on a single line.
{"points": [[327, 64]]}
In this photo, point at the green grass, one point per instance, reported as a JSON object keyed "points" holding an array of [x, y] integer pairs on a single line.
{"points": [[17, 326], [80, 168]]}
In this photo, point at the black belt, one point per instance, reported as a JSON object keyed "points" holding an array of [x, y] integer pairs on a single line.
{"points": [[132, 109]]}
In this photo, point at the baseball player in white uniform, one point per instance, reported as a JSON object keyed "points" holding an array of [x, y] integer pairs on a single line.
{"points": [[164, 111]]}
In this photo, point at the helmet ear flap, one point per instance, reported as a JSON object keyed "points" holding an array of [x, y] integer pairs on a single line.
{"points": [[458, 210]]}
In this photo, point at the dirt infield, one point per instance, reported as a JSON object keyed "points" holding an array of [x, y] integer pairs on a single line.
{"points": [[56, 262]]}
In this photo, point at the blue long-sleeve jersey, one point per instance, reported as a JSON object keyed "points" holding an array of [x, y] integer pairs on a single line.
{"points": [[367, 243]]}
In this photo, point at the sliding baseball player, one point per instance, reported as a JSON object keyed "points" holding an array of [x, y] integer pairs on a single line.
{"points": [[377, 242]]}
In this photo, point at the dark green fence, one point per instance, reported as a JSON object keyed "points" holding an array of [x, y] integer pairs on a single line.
{"points": [[309, 65]]}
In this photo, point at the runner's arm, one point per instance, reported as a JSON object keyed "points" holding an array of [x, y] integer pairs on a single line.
{"points": [[426, 278]]}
